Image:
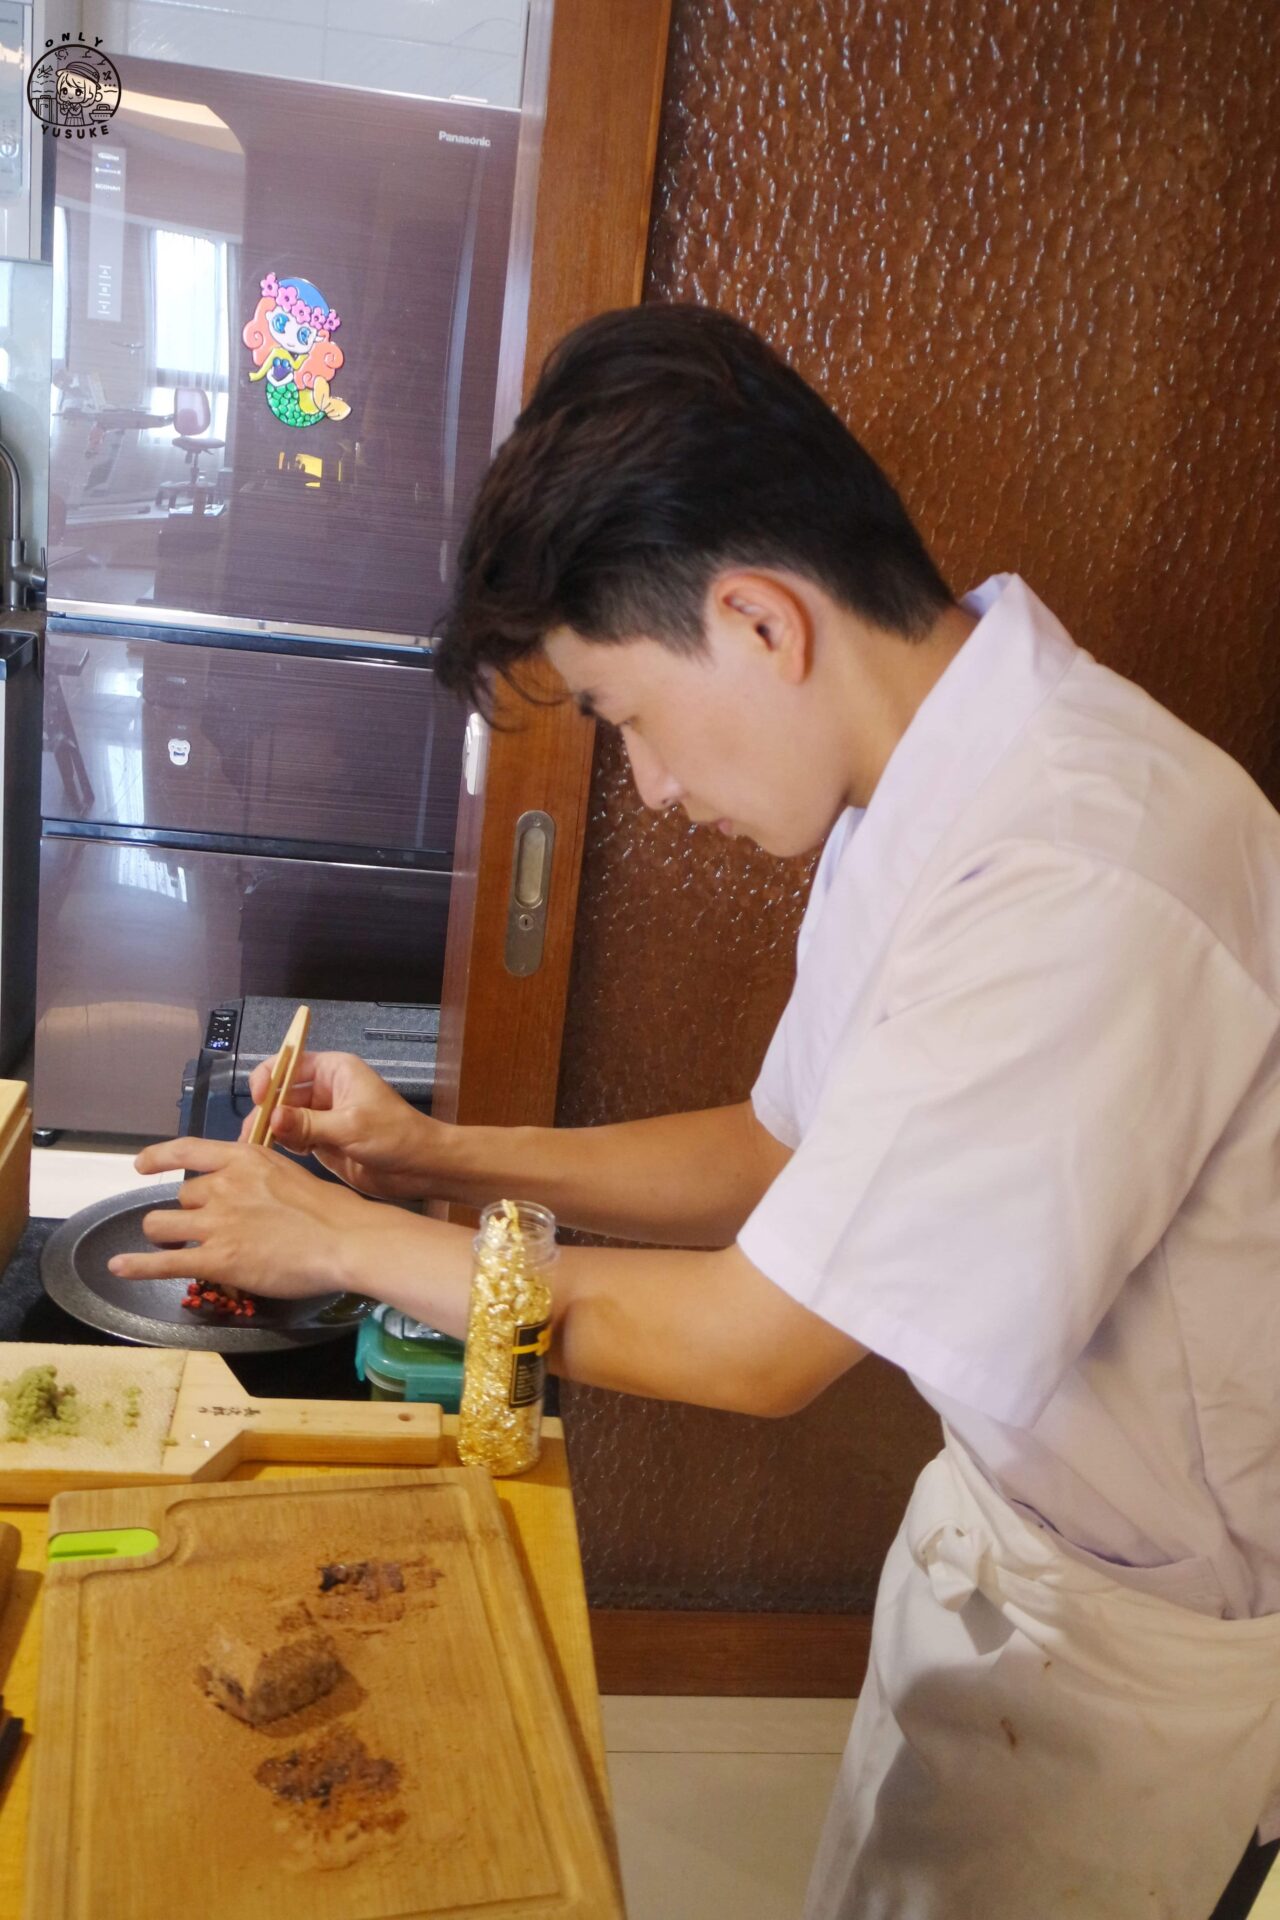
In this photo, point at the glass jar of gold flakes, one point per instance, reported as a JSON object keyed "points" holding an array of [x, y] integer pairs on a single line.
{"points": [[508, 1334]]}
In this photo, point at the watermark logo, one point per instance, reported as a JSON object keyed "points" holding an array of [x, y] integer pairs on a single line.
{"points": [[73, 89]]}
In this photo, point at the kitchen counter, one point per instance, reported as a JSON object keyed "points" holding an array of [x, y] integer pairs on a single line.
{"points": [[539, 1512], [326, 1371]]}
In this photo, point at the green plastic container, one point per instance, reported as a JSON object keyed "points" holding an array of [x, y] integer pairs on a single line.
{"points": [[401, 1359]]}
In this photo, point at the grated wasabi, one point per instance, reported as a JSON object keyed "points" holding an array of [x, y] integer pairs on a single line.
{"points": [[37, 1408]]}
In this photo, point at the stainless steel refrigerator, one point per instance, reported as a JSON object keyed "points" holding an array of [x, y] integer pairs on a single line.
{"points": [[277, 325], [19, 778]]}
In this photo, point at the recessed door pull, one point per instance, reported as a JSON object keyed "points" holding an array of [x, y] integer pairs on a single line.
{"points": [[530, 885]]}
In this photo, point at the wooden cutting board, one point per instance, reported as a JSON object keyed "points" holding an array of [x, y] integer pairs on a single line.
{"points": [[194, 1421], [15, 1165], [149, 1800]]}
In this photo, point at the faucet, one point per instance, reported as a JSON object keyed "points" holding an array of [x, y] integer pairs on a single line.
{"points": [[17, 577]]}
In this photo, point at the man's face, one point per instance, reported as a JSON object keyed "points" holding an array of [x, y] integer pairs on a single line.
{"points": [[721, 734]]}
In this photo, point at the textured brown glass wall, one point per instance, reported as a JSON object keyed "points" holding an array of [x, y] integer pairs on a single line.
{"points": [[1029, 253]]}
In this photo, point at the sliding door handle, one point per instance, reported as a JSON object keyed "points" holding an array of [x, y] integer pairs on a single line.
{"points": [[530, 886]]}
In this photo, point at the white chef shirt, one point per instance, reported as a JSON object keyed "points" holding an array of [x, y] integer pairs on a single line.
{"points": [[1030, 1069]]}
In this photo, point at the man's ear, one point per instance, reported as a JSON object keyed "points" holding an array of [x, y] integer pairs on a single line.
{"points": [[774, 613], [751, 609]]}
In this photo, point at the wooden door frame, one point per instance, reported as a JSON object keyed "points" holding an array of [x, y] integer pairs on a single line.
{"points": [[500, 1035]]}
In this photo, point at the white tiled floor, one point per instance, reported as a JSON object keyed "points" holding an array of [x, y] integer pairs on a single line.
{"points": [[719, 1802]]}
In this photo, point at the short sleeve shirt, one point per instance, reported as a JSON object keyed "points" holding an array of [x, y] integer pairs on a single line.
{"points": [[1030, 1071]]}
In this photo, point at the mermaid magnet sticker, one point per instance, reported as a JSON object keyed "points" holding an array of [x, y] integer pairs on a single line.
{"points": [[291, 339]]}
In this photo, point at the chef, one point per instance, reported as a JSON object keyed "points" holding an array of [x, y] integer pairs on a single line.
{"points": [[1017, 1130]]}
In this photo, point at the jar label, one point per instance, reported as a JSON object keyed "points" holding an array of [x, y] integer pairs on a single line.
{"points": [[529, 1364]]}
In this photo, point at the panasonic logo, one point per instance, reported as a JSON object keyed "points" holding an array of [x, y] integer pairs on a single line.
{"points": [[466, 139]]}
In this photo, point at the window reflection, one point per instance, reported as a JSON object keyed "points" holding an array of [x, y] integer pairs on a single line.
{"points": [[189, 308], [59, 292], [123, 781], [150, 873], [188, 278]]}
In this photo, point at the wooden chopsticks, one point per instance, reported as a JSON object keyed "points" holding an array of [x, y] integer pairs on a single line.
{"points": [[292, 1048]]}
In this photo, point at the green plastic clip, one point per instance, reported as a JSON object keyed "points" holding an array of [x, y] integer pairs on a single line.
{"points": [[115, 1543]]}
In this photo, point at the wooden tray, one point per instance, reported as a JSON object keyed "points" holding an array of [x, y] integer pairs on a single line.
{"points": [[215, 1425], [15, 1165], [146, 1800]]}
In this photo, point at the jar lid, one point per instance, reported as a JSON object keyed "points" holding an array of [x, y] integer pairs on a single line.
{"points": [[537, 1225], [417, 1370], [399, 1326]]}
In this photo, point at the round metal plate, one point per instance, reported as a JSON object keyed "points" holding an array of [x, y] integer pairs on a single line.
{"points": [[74, 1272]]}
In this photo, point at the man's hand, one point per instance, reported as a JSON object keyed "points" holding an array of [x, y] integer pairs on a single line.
{"points": [[257, 1220], [356, 1125]]}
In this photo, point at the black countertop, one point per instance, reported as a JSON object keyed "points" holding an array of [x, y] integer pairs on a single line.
{"points": [[324, 1372]]}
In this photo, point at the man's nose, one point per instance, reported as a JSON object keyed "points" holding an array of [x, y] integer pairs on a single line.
{"points": [[656, 787]]}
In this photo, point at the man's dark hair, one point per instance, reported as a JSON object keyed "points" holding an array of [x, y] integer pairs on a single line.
{"points": [[662, 444]]}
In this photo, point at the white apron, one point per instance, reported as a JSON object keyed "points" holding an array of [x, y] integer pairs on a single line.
{"points": [[1036, 1741]]}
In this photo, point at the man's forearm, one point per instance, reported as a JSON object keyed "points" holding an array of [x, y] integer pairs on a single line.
{"points": [[687, 1179], [699, 1326], [610, 1328]]}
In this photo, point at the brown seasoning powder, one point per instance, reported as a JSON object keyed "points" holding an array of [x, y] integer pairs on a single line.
{"points": [[334, 1782]]}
